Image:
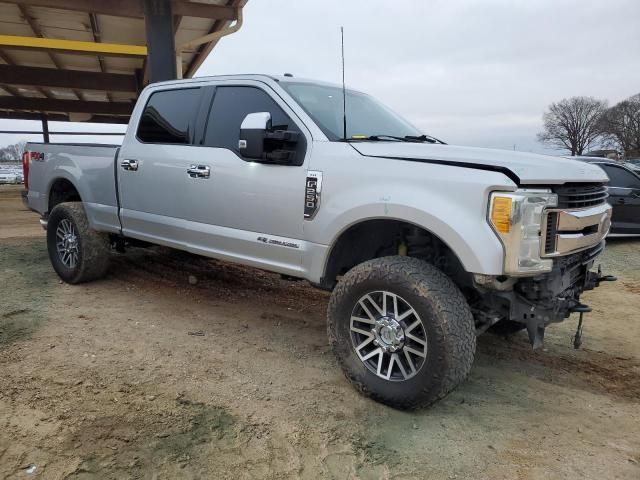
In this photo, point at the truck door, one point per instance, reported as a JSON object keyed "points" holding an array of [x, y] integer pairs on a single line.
{"points": [[624, 196], [242, 208], [152, 167]]}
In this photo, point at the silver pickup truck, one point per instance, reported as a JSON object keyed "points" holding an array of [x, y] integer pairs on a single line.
{"points": [[424, 245]]}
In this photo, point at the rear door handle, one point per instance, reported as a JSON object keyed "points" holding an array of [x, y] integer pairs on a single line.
{"points": [[620, 201], [131, 165], [199, 171]]}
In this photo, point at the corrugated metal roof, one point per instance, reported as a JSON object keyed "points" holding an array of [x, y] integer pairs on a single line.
{"points": [[80, 23]]}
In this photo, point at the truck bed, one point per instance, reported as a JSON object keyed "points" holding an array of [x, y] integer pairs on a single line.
{"points": [[90, 167]]}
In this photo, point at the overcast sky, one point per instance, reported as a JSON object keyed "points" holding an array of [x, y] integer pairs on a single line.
{"points": [[471, 72]]}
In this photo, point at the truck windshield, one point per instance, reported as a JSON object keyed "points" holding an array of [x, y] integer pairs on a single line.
{"points": [[366, 117]]}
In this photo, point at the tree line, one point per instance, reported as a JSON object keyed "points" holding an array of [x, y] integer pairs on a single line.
{"points": [[579, 124], [12, 153]]}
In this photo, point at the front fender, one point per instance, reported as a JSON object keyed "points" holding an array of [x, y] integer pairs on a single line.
{"points": [[475, 244], [449, 202]]}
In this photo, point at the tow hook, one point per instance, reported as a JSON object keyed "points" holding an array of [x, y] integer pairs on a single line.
{"points": [[607, 278], [582, 309], [604, 278], [594, 279]]}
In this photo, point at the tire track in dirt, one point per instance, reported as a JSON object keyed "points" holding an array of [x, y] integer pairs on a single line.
{"points": [[24, 266], [593, 370], [632, 287], [598, 371], [219, 280]]}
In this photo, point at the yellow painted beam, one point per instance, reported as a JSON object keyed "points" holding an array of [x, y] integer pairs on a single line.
{"points": [[73, 46]]}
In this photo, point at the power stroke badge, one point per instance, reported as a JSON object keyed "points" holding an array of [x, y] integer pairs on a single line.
{"points": [[312, 190]]}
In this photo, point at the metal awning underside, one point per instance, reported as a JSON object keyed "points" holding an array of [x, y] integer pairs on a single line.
{"points": [[86, 60]]}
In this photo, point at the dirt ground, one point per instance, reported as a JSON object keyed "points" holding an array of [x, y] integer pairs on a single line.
{"points": [[146, 375]]}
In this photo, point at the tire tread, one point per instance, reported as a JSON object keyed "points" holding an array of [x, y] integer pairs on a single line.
{"points": [[455, 321], [95, 246]]}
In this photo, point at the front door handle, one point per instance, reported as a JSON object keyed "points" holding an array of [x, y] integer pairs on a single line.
{"points": [[199, 171], [620, 201], [131, 165]]}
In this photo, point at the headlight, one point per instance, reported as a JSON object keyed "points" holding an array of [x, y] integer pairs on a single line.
{"points": [[517, 218]]}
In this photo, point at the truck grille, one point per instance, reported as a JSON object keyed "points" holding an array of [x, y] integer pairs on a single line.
{"points": [[581, 219], [581, 195], [551, 232]]}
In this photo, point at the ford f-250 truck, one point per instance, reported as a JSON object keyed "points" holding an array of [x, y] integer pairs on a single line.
{"points": [[424, 245]]}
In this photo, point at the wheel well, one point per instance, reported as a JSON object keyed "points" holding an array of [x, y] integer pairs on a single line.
{"points": [[62, 190], [379, 238]]}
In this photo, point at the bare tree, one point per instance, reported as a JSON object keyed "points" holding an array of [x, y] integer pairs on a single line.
{"points": [[621, 126], [12, 153], [15, 151], [573, 124]]}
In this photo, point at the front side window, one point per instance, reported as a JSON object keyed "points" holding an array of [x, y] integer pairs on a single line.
{"points": [[366, 117], [168, 116], [231, 105]]}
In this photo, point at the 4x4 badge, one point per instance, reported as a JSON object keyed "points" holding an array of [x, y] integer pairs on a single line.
{"points": [[312, 190]]}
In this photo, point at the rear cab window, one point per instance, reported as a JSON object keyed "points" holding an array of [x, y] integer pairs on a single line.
{"points": [[169, 116]]}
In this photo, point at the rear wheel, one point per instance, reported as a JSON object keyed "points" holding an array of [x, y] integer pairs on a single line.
{"points": [[78, 253], [402, 331]]}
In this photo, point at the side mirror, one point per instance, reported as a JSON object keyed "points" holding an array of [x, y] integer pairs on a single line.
{"points": [[260, 141], [252, 134]]}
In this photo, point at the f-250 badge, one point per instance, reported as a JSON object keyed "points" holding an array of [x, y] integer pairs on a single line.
{"points": [[312, 189]]}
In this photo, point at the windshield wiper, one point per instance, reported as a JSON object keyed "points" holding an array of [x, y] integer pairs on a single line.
{"points": [[424, 138], [406, 138], [379, 138]]}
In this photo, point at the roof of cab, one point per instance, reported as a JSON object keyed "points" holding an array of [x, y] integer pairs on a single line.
{"points": [[248, 76]]}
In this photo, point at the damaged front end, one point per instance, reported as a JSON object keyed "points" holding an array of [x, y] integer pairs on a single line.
{"points": [[551, 239], [535, 302]]}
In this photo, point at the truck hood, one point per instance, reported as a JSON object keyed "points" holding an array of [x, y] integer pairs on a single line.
{"points": [[522, 168]]}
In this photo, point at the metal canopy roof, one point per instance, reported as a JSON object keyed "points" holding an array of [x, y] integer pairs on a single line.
{"points": [[87, 60]]}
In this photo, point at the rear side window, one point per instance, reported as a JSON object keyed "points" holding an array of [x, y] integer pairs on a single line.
{"points": [[168, 116], [620, 177], [231, 105]]}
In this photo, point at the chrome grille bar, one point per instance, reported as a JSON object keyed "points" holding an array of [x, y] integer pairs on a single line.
{"points": [[571, 230]]}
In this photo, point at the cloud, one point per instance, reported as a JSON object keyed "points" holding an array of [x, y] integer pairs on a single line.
{"points": [[472, 72]]}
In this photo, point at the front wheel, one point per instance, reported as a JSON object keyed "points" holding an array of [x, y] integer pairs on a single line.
{"points": [[78, 253], [402, 331]]}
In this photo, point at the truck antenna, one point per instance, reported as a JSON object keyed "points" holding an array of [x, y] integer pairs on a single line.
{"points": [[344, 91]]}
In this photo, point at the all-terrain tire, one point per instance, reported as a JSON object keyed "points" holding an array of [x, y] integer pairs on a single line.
{"points": [[448, 326], [93, 248]]}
